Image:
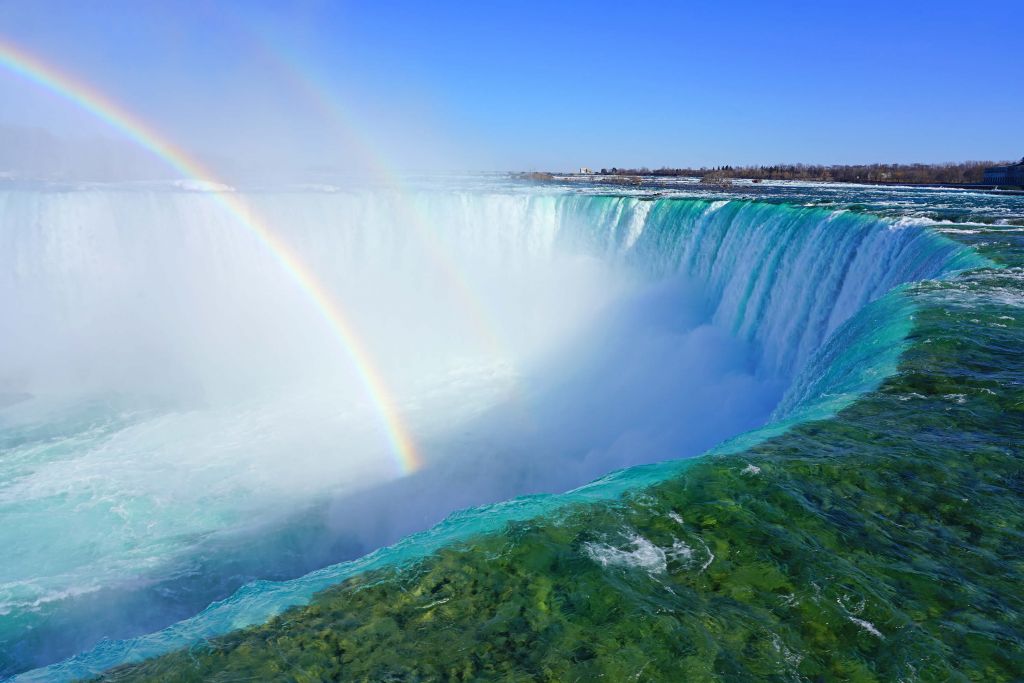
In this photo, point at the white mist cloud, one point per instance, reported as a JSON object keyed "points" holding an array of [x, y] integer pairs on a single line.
{"points": [[35, 153]]}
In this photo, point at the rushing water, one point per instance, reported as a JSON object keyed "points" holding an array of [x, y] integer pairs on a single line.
{"points": [[179, 423]]}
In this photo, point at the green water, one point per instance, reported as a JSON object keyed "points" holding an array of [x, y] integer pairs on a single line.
{"points": [[884, 543]]}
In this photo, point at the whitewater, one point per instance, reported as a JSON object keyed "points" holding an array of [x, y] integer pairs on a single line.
{"points": [[185, 449]]}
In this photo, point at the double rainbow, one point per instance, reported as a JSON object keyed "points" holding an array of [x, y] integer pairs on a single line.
{"points": [[88, 98]]}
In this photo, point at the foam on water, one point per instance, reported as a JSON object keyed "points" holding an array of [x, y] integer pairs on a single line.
{"points": [[641, 554]]}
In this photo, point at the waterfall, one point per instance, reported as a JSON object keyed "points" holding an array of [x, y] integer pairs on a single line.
{"points": [[173, 393]]}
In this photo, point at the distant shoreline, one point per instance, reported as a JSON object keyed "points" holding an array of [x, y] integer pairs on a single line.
{"points": [[637, 179]]}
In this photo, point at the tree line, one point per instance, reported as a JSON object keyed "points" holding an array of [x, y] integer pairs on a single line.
{"points": [[966, 172]]}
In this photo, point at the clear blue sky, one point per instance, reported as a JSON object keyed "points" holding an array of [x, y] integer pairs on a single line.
{"points": [[522, 85]]}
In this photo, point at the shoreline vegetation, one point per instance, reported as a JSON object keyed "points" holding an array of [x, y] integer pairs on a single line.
{"points": [[968, 173]]}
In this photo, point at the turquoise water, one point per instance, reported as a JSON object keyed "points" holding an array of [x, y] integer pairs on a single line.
{"points": [[822, 297]]}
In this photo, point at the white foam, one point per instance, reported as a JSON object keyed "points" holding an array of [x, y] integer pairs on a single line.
{"points": [[711, 555], [644, 555], [910, 222], [680, 551], [911, 395], [867, 626], [26, 596], [959, 231], [202, 186]]}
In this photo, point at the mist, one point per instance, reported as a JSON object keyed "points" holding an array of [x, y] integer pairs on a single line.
{"points": [[32, 153], [650, 379]]}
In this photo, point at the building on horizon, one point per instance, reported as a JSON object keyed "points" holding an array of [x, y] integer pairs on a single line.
{"points": [[1005, 175]]}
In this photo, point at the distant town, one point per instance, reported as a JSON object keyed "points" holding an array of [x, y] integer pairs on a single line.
{"points": [[987, 174]]}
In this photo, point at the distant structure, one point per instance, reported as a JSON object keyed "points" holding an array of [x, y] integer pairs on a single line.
{"points": [[585, 171], [1005, 175]]}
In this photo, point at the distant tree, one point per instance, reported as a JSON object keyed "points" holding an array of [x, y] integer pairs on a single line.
{"points": [[950, 173]]}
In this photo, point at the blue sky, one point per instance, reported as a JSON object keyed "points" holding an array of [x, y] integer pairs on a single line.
{"points": [[538, 85]]}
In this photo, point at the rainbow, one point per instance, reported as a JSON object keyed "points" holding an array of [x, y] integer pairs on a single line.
{"points": [[23, 64]]}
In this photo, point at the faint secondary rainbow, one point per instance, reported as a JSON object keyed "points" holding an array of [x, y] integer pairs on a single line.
{"points": [[434, 249], [311, 84], [334, 111], [23, 64]]}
